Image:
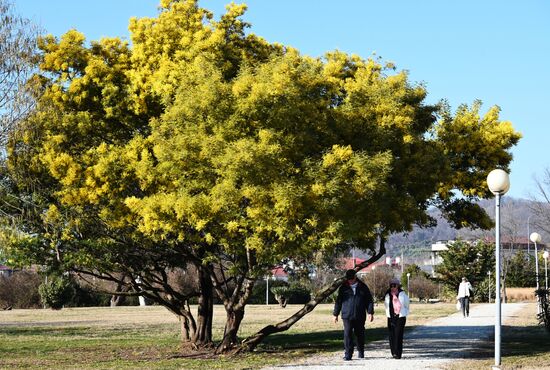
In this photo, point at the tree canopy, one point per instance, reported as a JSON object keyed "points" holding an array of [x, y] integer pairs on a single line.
{"points": [[201, 143]]}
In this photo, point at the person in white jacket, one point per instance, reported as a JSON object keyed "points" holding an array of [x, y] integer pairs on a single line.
{"points": [[464, 292], [396, 302]]}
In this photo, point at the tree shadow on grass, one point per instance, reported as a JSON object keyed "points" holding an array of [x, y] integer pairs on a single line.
{"points": [[44, 331], [329, 340], [448, 342], [525, 340], [57, 329], [473, 342], [437, 342]]}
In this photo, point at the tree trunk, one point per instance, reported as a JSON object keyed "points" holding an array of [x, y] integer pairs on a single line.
{"points": [[281, 299], [234, 302], [187, 332], [252, 341], [117, 300], [203, 334], [504, 296], [232, 324]]}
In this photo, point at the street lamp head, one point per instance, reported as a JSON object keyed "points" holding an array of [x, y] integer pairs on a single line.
{"points": [[408, 274], [545, 255], [535, 237], [498, 181]]}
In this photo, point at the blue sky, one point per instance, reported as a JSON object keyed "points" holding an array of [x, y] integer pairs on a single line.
{"points": [[497, 51]]}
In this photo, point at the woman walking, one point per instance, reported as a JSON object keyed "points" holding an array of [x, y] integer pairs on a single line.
{"points": [[464, 293], [396, 302]]}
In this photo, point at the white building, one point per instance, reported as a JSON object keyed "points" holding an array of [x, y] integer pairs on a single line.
{"points": [[437, 248]]}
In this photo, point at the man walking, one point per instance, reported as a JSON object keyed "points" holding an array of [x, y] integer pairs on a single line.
{"points": [[464, 296], [355, 303]]}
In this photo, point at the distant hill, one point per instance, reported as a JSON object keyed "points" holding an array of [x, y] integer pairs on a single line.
{"points": [[514, 222]]}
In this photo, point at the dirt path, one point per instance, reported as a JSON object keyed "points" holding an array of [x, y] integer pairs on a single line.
{"points": [[426, 347]]}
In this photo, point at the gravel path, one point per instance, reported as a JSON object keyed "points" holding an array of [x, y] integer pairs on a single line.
{"points": [[427, 347]]}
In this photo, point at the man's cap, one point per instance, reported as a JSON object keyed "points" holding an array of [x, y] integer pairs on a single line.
{"points": [[350, 274], [395, 281]]}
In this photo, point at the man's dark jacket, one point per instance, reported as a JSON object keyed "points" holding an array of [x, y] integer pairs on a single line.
{"points": [[354, 306]]}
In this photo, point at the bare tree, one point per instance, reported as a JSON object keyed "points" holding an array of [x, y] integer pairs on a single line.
{"points": [[540, 205], [423, 288], [378, 281], [512, 227], [18, 57]]}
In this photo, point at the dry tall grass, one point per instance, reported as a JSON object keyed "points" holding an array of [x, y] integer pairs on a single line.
{"points": [[520, 294]]}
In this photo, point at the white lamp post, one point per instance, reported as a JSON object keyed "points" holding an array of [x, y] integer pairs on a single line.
{"points": [[545, 256], [408, 285], [398, 262], [499, 183], [141, 298], [489, 273], [535, 238]]}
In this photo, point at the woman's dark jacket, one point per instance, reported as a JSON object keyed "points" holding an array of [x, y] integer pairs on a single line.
{"points": [[353, 307]]}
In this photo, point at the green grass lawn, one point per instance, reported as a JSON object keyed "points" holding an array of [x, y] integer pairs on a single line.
{"points": [[149, 337]]}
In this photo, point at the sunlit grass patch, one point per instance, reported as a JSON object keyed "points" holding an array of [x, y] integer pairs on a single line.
{"points": [[149, 337]]}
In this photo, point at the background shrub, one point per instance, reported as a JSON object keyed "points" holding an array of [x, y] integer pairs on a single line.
{"points": [[299, 294], [20, 290], [84, 296], [293, 294], [423, 288], [258, 292], [56, 292], [544, 315]]}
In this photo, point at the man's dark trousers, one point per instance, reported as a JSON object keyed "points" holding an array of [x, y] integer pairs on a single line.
{"points": [[396, 327], [356, 327], [465, 305]]}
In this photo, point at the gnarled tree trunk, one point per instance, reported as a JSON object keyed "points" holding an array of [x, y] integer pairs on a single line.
{"points": [[116, 300], [188, 328], [121, 286], [205, 313], [234, 296], [232, 324]]}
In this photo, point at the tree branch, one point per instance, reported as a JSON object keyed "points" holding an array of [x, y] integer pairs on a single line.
{"points": [[252, 341]]}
